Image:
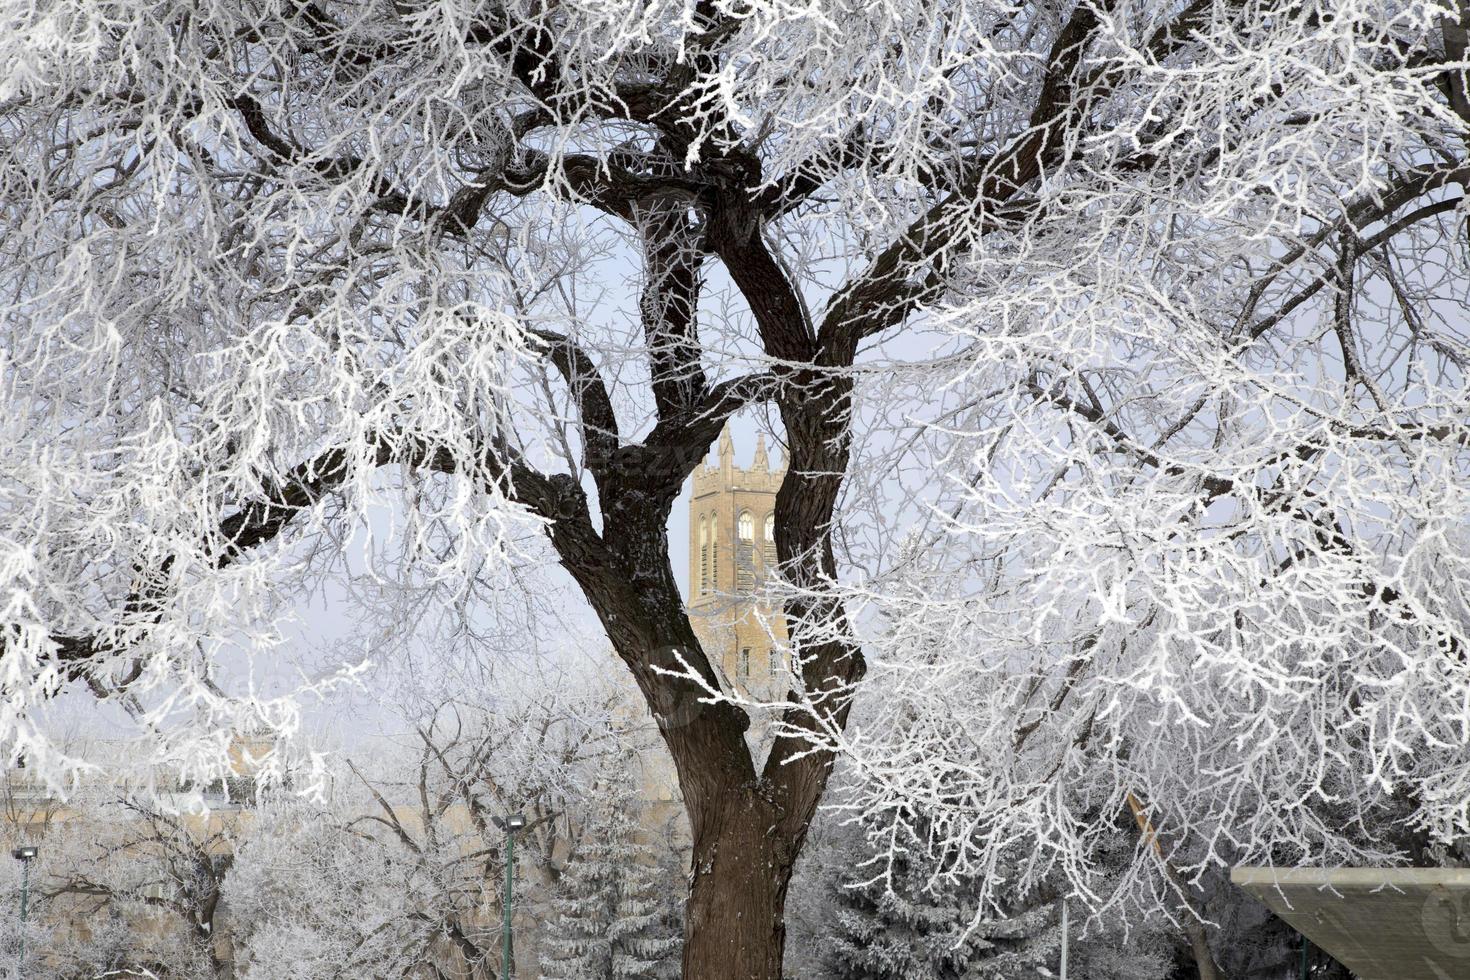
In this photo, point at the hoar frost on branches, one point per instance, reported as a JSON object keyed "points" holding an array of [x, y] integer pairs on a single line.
{"points": [[1199, 548], [611, 914], [1117, 349]]}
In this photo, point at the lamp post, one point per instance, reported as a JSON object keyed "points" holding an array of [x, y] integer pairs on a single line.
{"points": [[25, 855], [1065, 938], [510, 824]]}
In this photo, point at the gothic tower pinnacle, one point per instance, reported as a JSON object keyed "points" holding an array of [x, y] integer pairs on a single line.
{"points": [[731, 552]]}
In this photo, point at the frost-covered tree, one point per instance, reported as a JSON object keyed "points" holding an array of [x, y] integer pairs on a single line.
{"points": [[117, 887], [647, 928], [887, 914], [613, 914], [308, 899], [900, 930], [1116, 348], [141, 865], [401, 871]]}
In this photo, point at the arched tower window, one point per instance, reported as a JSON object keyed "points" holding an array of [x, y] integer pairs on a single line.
{"points": [[768, 551], [745, 552], [770, 528], [703, 556]]}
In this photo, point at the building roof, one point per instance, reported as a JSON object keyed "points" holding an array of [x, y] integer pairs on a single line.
{"points": [[1381, 923]]}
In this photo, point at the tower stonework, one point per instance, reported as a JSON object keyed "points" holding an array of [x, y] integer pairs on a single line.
{"points": [[731, 550]]}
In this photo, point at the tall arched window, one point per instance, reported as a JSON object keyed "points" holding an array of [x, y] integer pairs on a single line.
{"points": [[703, 556], [714, 551], [770, 528], [745, 552]]}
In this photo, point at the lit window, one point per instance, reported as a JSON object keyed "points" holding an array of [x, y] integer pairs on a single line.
{"points": [[747, 526]]}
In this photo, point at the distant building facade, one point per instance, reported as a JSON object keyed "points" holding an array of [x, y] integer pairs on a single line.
{"points": [[732, 551]]}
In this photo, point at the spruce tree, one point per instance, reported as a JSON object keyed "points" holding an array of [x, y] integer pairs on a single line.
{"points": [[904, 929], [913, 927], [615, 912]]}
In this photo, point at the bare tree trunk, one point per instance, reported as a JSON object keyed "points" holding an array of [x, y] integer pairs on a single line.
{"points": [[748, 827], [735, 918]]}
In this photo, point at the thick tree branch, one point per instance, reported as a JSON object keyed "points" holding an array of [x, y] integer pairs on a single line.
{"points": [[910, 269]]}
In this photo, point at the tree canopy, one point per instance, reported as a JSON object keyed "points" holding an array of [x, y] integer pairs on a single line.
{"points": [[1117, 348]]}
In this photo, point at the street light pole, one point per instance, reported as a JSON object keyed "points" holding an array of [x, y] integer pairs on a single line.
{"points": [[24, 855], [1065, 938], [510, 825], [510, 872]]}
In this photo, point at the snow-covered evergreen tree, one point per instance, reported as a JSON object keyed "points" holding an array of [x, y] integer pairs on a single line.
{"points": [[646, 924], [904, 926], [912, 924], [578, 944], [614, 913]]}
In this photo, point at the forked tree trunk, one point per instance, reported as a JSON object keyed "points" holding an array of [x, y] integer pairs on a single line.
{"points": [[748, 827]]}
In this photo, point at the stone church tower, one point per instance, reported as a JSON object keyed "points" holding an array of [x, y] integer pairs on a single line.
{"points": [[731, 551]]}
